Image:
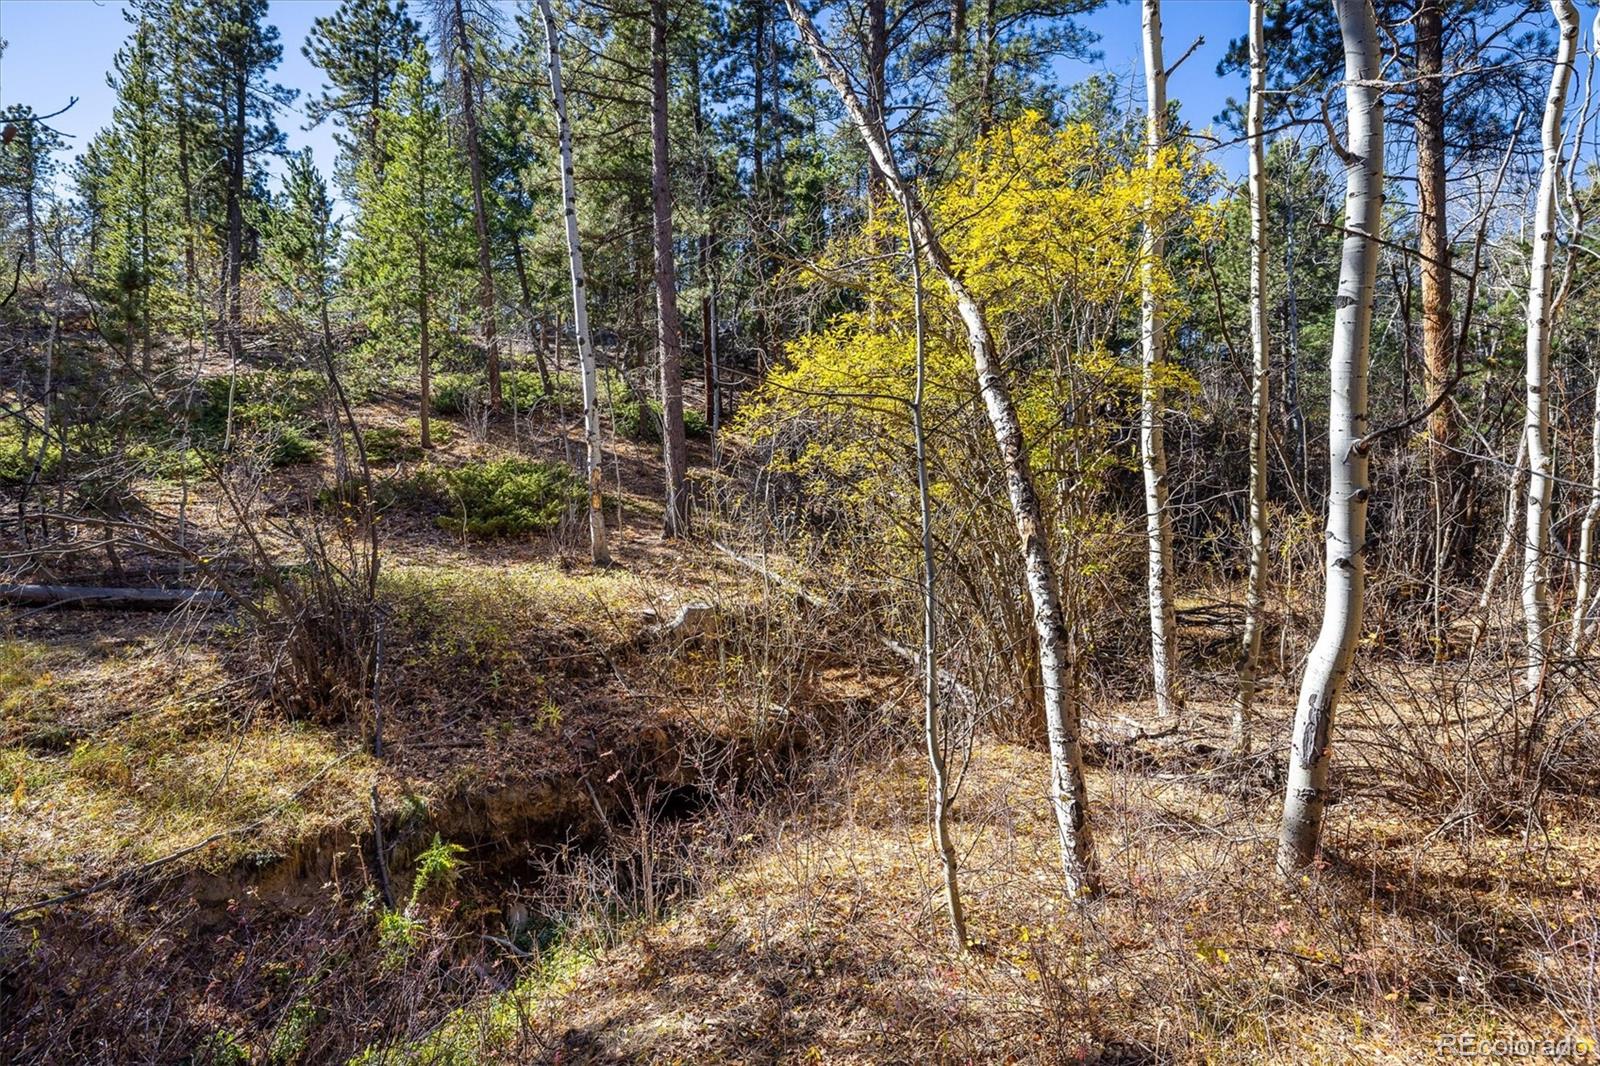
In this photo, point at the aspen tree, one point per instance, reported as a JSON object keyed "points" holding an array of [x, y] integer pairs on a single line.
{"points": [[1328, 665], [1069, 797], [580, 303], [1260, 384], [1152, 436], [1536, 427]]}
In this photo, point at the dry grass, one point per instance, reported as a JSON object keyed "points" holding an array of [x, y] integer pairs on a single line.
{"points": [[828, 945]]}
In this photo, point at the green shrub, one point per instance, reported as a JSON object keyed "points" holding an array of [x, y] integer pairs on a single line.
{"points": [[16, 461], [637, 421], [221, 1048], [521, 389], [293, 1033], [505, 497], [641, 422], [289, 444], [166, 462], [450, 392], [392, 444], [261, 399]]}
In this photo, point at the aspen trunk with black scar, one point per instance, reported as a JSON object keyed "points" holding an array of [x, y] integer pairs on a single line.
{"points": [[1328, 665], [1152, 431], [1536, 426]]}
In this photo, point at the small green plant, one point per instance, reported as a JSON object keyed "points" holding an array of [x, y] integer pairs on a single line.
{"points": [[637, 420], [521, 389], [505, 497], [437, 869], [221, 1047], [105, 764], [642, 422], [290, 445], [398, 934], [392, 444], [400, 931], [17, 457], [261, 400], [292, 1035], [452, 392]]}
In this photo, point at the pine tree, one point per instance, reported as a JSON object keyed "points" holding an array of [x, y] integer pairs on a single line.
{"points": [[301, 238], [413, 237], [137, 212], [464, 26], [359, 49], [27, 166], [236, 50]]}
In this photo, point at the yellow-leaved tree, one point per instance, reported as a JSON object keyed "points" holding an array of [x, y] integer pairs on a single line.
{"points": [[1044, 222]]}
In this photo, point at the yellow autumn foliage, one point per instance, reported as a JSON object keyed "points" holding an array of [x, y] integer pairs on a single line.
{"points": [[1044, 225]]}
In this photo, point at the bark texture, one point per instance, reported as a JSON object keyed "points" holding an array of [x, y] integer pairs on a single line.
{"points": [[580, 301], [669, 328], [1260, 385], [1328, 665], [1152, 434], [480, 219], [1536, 427]]}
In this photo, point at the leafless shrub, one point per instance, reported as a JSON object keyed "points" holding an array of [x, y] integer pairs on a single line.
{"points": [[1464, 745]]}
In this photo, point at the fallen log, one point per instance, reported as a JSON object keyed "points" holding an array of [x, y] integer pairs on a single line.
{"points": [[119, 599]]}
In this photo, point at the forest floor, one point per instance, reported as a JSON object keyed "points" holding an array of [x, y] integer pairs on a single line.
{"points": [[604, 839]]}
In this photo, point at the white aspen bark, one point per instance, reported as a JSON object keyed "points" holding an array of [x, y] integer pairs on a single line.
{"points": [[1260, 385], [933, 732], [1328, 665], [1582, 606], [1069, 798], [600, 552], [1536, 428], [1152, 436]]}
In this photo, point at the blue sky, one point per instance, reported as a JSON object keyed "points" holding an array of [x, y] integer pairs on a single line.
{"points": [[59, 49]]}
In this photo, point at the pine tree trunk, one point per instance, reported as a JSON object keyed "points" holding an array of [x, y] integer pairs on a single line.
{"points": [[235, 295], [1260, 386], [1068, 795], [425, 355], [1328, 665], [480, 218], [580, 303], [1152, 434], [191, 276], [1438, 344], [527, 309], [669, 329], [1434, 235], [1541, 464]]}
